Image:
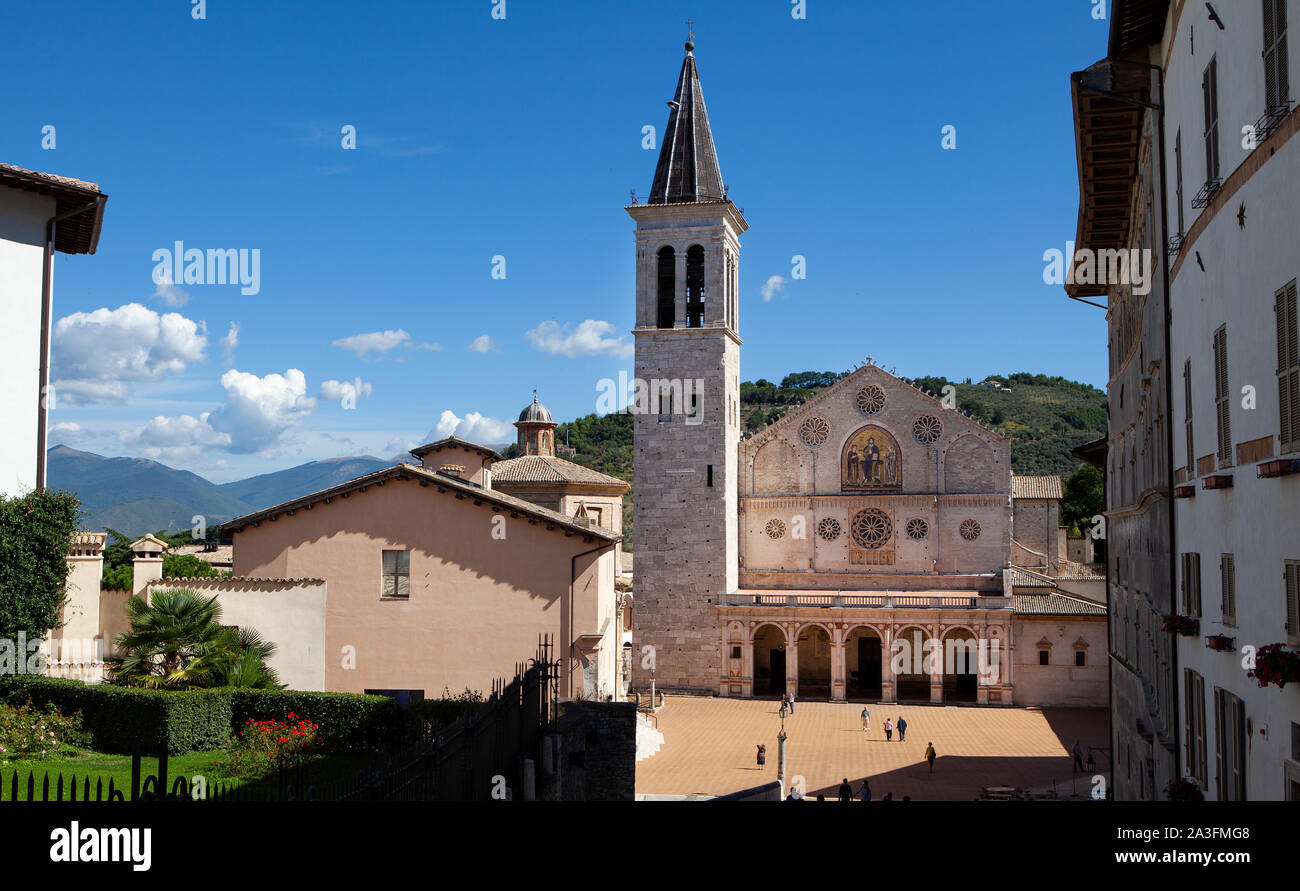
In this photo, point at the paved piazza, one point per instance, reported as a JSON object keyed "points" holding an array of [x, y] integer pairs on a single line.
{"points": [[709, 747]]}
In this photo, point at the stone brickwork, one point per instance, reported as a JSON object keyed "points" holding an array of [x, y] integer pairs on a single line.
{"points": [[593, 752], [685, 460]]}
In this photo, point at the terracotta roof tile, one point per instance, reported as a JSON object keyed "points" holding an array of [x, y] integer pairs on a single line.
{"points": [[547, 469], [1055, 604], [1048, 487]]}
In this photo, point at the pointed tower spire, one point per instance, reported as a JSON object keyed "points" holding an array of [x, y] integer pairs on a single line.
{"points": [[688, 164]]}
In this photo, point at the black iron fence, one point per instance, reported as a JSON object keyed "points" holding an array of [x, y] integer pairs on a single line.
{"points": [[479, 757]]}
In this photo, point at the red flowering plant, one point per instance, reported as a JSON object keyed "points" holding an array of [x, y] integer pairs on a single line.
{"points": [[1187, 626], [1275, 664], [260, 747], [1185, 789]]}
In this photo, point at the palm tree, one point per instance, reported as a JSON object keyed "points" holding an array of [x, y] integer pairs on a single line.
{"points": [[177, 640]]}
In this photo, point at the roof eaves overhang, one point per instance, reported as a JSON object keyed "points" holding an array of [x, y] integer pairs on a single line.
{"points": [[77, 234]]}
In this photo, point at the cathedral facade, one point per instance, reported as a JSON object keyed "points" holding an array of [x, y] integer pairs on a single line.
{"points": [[858, 548]]}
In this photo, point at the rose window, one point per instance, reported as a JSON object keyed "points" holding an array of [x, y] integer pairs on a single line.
{"points": [[970, 530], [814, 431], [917, 529], [871, 399], [774, 529], [927, 429], [871, 528], [829, 529]]}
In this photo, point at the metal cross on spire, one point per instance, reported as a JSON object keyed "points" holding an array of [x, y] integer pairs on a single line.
{"points": [[690, 35]]}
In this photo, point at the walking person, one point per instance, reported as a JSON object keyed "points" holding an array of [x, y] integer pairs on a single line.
{"points": [[792, 705], [1078, 757], [902, 729], [866, 718], [864, 794], [762, 755], [846, 791], [930, 755], [889, 730]]}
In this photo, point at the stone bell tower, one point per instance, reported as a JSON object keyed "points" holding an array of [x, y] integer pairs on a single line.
{"points": [[687, 406]]}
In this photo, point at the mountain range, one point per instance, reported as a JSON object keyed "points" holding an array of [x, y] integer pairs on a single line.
{"points": [[137, 495]]}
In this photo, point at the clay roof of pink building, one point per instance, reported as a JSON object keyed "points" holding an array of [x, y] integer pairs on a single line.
{"points": [[549, 469], [458, 443], [437, 483], [1055, 604], [1048, 487]]}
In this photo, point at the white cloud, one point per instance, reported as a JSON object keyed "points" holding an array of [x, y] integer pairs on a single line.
{"points": [[482, 344], [591, 338], [178, 436], [259, 410], [228, 344], [344, 391], [375, 342], [474, 427], [96, 353], [168, 292], [68, 431], [774, 285]]}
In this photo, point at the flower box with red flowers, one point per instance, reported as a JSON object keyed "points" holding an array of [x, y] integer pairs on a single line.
{"points": [[1218, 481], [1188, 491], [1275, 664], [1219, 642], [1277, 467], [1186, 626]]}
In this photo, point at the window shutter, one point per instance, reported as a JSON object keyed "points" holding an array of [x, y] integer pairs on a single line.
{"points": [[1222, 405], [1270, 54], [1187, 418], [1196, 585], [1292, 601], [1200, 729], [1178, 186], [1220, 739], [1288, 369], [1228, 586]]}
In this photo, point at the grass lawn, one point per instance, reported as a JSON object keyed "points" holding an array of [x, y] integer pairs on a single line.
{"points": [[98, 765]]}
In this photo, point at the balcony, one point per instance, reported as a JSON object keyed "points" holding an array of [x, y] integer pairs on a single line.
{"points": [[887, 600], [1206, 194]]}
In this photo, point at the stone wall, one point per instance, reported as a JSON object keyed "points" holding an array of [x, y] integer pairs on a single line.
{"points": [[592, 754]]}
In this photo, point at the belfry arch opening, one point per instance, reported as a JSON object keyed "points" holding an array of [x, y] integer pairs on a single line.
{"points": [[667, 309], [695, 286], [769, 661], [814, 663], [863, 664]]}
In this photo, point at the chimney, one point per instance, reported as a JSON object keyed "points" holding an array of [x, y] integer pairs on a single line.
{"points": [[456, 470], [146, 561]]}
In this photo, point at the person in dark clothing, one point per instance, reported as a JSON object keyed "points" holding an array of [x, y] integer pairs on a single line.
{"points": [[1078, 757], [902, 728], [846, 791], [762, 755], [930, 755]]}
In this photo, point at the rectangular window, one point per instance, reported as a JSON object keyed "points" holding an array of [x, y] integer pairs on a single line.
{"points": [[1288, 369], [1194, 725], [1187, 419], [1230, 746], [1080, 659], [397, 574], [1277, 86], [1222, 404], [1043, 657], [1291, 577], [1210, 95], [1228, 587], [710, 475], [1192, 584]]}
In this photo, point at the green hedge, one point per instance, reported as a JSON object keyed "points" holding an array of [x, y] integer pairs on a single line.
{"points": [[349, 722], [128, 719]]}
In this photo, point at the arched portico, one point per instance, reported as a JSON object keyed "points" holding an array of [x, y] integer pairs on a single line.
{"points": [[960, 665], [913, 662], [864, 667], [769, 660], [814, 679]]}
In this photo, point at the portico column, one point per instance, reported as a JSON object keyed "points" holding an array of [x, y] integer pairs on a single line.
{"points": [[888, 680], [936, 663], [792, 659], [747, 663], [679, 291], [839, 687]]}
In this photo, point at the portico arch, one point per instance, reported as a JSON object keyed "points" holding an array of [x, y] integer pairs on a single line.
{"points": [[814, 662], [960, 665], [864, 663], [911, 657], [769, 660]]}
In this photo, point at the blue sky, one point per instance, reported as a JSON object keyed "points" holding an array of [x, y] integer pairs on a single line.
{"points": [[521, 137]]}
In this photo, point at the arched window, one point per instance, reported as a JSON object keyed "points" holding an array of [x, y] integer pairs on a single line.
{"points": [[667, 287], [695, 286]]}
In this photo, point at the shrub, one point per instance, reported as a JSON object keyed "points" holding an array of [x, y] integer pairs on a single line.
{"points": [[348, 722], [29, 732], [35, 533], [260, 747], [126, 720]]}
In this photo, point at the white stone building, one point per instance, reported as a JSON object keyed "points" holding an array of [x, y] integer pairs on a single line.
{"points": [[40, 214]]}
